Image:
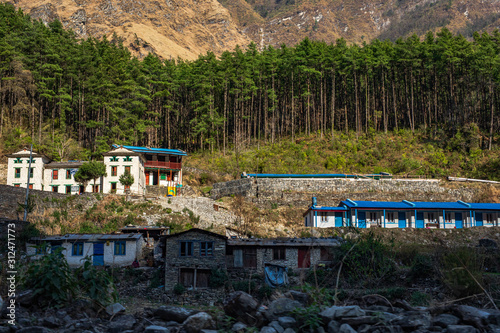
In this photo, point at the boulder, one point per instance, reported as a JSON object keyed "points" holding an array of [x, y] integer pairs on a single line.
{"points": [[473, 316], [25, 298], [122, 323], [333, 326], [239, 327], [338, 312], [281, 307], [298, 296], [488, 243], [289, 330], [241, 306], [114, 309], [174, 313], [198, 322], [414, 320], [267, 329], [287, 322], [345, 328], [274, 324], [34, 329], [461, 329], [156, 329], [445, 320], [51, 322]]}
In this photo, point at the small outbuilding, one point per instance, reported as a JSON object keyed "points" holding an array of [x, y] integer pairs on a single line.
{"points": [[102, 249]]}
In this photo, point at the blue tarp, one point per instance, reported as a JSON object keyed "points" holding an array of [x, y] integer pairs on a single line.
{"points": [[276, 275]]}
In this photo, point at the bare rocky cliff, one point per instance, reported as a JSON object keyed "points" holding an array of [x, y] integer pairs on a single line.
{"points": [[169, 28], [188, 28]]}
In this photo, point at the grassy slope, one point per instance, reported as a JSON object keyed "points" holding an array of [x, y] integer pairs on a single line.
{"points": [[400, 153]]}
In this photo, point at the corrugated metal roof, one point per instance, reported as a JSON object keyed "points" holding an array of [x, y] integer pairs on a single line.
{"points": [[289, 242], [154, 150], [89, 237], [459, 205]]}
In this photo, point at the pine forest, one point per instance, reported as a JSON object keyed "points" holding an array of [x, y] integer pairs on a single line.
{"points": [[57, 89]]}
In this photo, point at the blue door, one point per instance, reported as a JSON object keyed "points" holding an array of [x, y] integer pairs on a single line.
{"points": [[402, 219], [361, 220], [479, 219], [420, 220], [338, 219], [459, 224], [98, 257]]}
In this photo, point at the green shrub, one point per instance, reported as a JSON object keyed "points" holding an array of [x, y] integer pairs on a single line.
{"points": [[421, 266], [244, 286], [420, 299], [96, 283], [179, 289], [461, 271], [308, 318], [51, 279], [218, 278], [265, 291]]}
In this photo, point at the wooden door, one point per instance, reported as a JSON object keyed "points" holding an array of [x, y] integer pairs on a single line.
{"points": [[304, 258], [147, 178]]}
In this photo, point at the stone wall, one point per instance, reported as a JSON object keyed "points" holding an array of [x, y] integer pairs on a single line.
{"points": [[331, 191], [174, 262]]}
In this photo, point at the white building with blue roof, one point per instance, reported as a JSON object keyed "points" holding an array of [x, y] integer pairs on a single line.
{"points": [[404, 214], [148, 166]]}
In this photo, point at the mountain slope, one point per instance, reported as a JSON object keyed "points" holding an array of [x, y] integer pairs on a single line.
{"points": [[171, 28], [188, 28]]}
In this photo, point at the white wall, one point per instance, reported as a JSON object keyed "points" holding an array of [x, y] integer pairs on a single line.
{"points": [[136, 170], [37, 166]]}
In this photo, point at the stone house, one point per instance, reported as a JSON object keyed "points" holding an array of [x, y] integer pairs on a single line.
{"points": [[191, 256], [103, 249], [293, 253]]}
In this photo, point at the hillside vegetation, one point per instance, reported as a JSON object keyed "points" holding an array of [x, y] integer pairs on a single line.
{"points": [[425, 153], [61, 93]]}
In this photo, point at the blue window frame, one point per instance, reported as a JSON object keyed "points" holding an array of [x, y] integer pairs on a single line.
{"points": [[186, 249], [120, 248], [206, 249], [77, 249]]}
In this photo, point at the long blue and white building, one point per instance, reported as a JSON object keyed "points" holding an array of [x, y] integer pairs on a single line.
{"points": [[404, 214]]}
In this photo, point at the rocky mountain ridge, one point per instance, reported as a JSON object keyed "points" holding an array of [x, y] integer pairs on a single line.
{"points": [[188, 28]]}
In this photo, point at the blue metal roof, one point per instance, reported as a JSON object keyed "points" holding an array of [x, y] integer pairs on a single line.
{"points": [[337, 209], [405, 204], [145, 150]]}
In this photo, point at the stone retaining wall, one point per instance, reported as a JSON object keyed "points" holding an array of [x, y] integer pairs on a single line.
{"points": [[300, 191]]}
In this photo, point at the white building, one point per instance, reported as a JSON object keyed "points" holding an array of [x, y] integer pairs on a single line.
{"points": [[101, 249], [148, 166]]}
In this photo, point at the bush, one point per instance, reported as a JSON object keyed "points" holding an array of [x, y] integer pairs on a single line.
{"points": [[51, 279], [218, 278], [96, 283], [461, 271], [421, 266], [368, 262], [244, 286], [179, 289], [420, 299]]}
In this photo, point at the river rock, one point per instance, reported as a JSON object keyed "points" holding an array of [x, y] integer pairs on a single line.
{"points": [[281, 307], [241, 306], [445, 320], [198, 322], [174, 313]]}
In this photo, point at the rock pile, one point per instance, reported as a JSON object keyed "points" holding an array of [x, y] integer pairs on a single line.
{"points": [[283, 315]]}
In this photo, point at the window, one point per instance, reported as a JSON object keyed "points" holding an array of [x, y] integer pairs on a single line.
{"points": [[390, 217], [373, 217], [113, 159], [68, 174], [113, 187], [17, 185], [488, 218], [186, 249], [68, 189], [206, 249], [120, 248], [430, 217], [448, 218], [250, 257], [126, 187], [324, 217], [17, 173], [114, 170], [31, 172], [95, 188], [127, 159], [127, 169], [55, 174], [279, 253], [18, 160], [186, 277], [326, 254], [32, 160], [77, 249], [163, 176], [30, 186], [55, 189]]}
